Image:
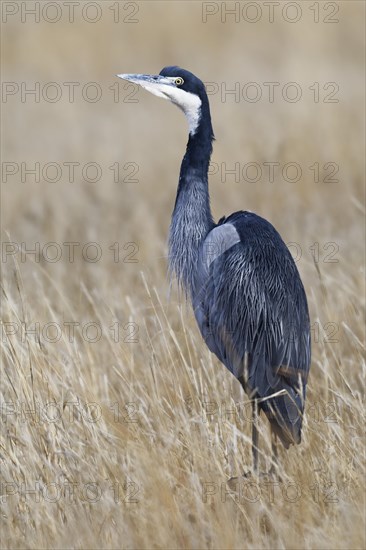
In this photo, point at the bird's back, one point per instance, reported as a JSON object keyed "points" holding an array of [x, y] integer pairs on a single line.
{"points": [[251, 308]]}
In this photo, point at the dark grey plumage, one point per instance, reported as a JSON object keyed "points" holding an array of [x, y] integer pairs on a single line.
{"points": [[245, 288], [251, 308]]}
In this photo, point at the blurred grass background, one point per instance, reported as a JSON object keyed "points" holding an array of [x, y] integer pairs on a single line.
{"points": [[173, 449]]}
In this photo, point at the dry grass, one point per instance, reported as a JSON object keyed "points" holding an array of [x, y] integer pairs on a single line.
{"points": [[131, 444]]}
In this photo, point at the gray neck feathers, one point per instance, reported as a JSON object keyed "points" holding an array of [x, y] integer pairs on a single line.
{"points": [[191, 222], [192, 218]]}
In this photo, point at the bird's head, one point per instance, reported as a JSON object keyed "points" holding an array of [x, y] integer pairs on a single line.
{"points": [[181, 87]]}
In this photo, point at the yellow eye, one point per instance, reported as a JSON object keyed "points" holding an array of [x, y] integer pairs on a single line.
{"points": [[179, 81]]}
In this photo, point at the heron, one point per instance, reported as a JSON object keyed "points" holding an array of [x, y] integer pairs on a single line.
{"points": [[247, 295]]}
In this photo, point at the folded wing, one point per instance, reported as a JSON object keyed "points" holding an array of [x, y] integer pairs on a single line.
{"points": [[251, 308]]}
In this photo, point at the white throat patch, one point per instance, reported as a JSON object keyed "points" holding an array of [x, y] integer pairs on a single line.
{"points": [[190, 105], [164, 87]]}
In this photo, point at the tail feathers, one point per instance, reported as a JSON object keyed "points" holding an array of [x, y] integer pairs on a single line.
{"points": [[285, 413]]}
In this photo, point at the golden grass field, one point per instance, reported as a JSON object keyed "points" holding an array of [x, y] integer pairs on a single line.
{"points": [[119, 428]]}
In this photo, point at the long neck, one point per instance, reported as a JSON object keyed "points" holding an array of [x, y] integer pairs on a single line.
{"points": [[192, 218]]}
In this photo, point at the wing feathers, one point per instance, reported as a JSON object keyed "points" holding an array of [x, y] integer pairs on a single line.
{"points": [[252, 311]]}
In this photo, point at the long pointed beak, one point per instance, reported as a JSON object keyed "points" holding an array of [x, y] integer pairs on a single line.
{"points": [[156, 84], [140, 78]]}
